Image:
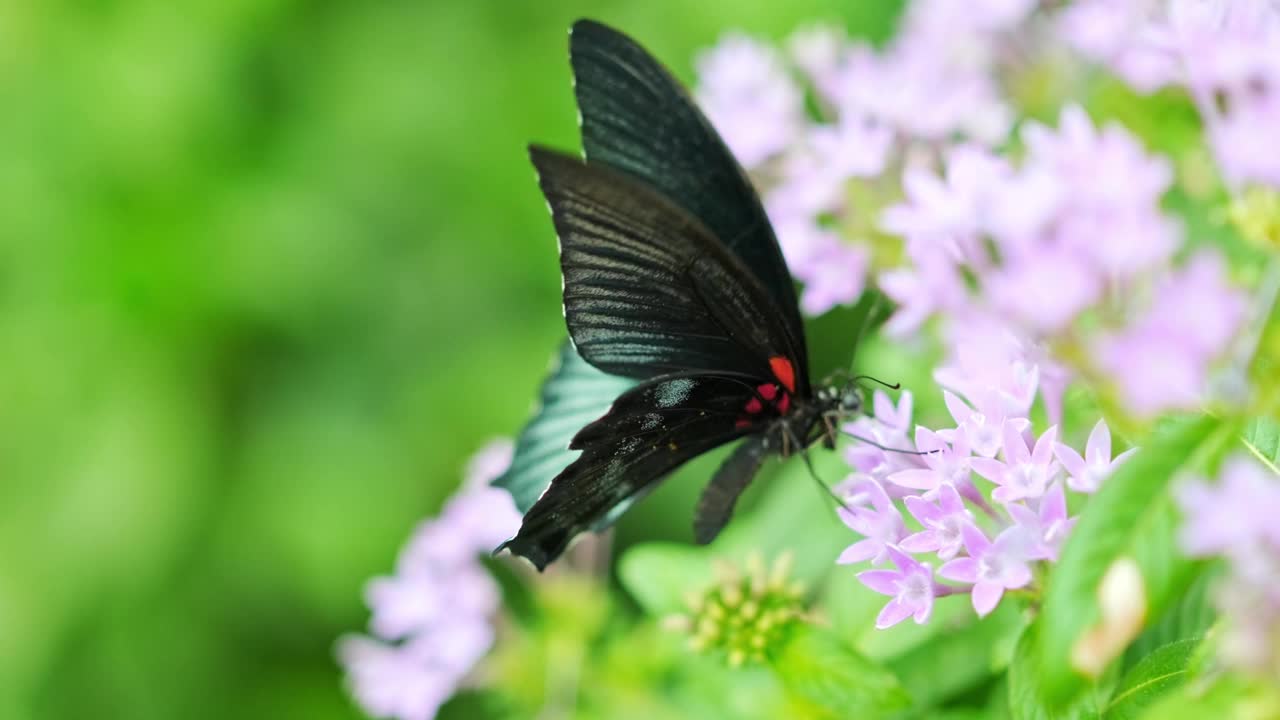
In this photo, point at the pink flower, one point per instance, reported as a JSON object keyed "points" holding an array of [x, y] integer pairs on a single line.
{"points": [[910, 586], [746, 92], [1023, 473], [992, 567], [881, 524], [1047, 528], [948, 466], [942, 523], [983, 427], [1088, 472]]}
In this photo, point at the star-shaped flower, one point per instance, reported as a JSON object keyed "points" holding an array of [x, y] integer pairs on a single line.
{"points": [[942, 523], [992, 567], [881, 524], [1023, 473], [1088, 472], [946, 463], [910, 586], [1046, 528]]}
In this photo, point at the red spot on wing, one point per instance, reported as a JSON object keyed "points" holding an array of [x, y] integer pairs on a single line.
{"points": [[784, 371], [783, 404], [754, 406], [742, 423], [767, 390]]}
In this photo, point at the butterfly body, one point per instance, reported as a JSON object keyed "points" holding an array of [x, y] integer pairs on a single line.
{"points": [[673, 278]]}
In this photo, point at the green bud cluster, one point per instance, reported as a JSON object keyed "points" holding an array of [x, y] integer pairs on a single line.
{"points": [[1255, 213], [746, 613]]}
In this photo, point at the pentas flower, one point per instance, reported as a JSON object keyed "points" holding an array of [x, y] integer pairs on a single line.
{"points": [[748, 94], [888, 427], [1087, 473], [1162, 360], [1024, 473], [431, 620], [1222, 51], [1028, 518], [942, 523], [910, 586], [982, 428], [1047, 527], [992, 567], [881, 523], [1235, 518], [946, 463]]}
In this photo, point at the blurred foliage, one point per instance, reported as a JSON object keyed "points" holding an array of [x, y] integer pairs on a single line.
{"points": [[269, 270]]}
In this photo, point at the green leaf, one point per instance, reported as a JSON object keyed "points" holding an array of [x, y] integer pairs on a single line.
{"points": [[1261, 437], [1131, 516], [1187, 619], [658, 575], [573, 395], [825, 675], [1228, 698], [957, 660], [1025, 686], [1156, 675]]}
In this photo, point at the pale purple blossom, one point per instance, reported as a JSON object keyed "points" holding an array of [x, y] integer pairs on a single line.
{"points": [[748, 94], [1086, 474], [1234, 517], [1048, 526], [1161, 361], [942, 523], [835, 277], [431, 620], [880, 524], [992, 567], [946, 463], [1024, 473], [983, 426], [910, 586]]}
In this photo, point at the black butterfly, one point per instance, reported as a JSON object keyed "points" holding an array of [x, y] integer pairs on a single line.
{"points": [[672, 277]]}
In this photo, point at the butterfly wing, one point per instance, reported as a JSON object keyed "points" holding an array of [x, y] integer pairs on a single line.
{"points": [[637, 118], [573, 395], [648, 290], [649, 431], [715, 507]]}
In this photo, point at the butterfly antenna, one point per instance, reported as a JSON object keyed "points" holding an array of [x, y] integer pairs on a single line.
{"points": [[886, 448], [891, 386]]}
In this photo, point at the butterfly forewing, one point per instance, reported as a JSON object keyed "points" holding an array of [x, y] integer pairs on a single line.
{"points": [[637, 118], [648, 290], [649, 431]]}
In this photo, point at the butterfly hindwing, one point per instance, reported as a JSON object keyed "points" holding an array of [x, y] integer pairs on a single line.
{"points": [[573, 395], [648, 290], [637, 118], [649, 431]]}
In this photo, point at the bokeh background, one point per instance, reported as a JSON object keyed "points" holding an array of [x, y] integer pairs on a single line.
{"points": [[269, 271]]}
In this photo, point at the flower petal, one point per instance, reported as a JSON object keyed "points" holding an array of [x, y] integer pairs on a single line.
{"points": [[859, 551], [1043, 451], [921, 509], [884, 582], [892, 614], [916, 479], [1070, 459], [989, 468], [974, 540], [923, 541], [986, 595], [1099, 445], [963, 569]]}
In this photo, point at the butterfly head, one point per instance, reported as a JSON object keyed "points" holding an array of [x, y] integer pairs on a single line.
{"points": [[844, 397]]}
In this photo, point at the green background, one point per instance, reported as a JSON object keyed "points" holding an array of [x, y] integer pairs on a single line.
{"points": [[269, 272]]}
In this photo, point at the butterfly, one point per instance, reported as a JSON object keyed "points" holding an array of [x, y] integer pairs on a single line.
{"points": [[676, 294]]}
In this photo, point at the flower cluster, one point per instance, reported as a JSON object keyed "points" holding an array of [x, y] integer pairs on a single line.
{"points": [[1235, 519], [1059, 264], [987, 541], [430, 621], [744, 615], [1222, 51], [934, 82]]}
